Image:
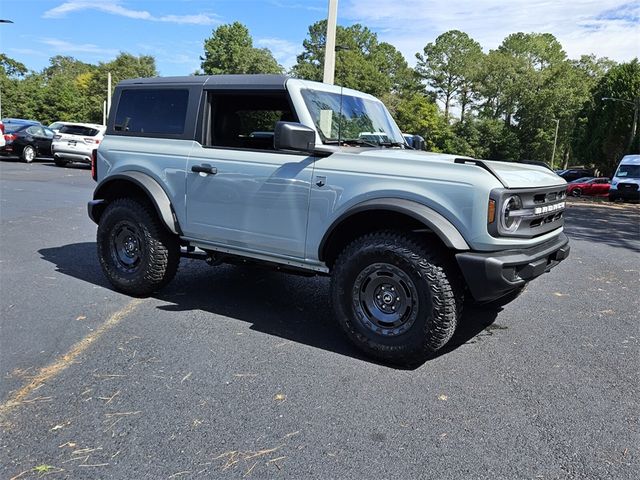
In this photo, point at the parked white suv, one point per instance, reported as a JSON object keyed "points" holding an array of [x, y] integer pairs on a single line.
{"points": [[75, 142]]}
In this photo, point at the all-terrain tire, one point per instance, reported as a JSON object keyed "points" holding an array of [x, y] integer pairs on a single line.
{"points": [[136, 252], [432, 295]]}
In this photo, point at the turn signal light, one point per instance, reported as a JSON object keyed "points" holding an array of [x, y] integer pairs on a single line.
{"points": [[491, 215]]}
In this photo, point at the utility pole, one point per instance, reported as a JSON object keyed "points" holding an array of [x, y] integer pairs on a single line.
{"points": [[108, 93], [555, 141], [330, 43]]}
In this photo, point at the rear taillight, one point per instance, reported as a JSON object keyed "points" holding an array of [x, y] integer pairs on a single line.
{"points": [[2, 128], [94, 165], [91, 141], [9, 137]]}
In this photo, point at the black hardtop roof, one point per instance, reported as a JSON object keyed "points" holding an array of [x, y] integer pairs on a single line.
{"points": [[226, 82]]}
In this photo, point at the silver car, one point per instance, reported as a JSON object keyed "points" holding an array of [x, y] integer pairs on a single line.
{"points": [[75, 142]]}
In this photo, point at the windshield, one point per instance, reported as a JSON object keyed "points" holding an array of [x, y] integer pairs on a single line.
{"points": [[79, 130], [629, 171], [581, 180], [351, 119]]}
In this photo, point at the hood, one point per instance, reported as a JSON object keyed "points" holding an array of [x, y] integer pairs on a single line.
{"points": [[510, 174]]}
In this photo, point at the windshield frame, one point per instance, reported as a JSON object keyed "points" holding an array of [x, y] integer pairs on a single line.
{"points": [[378, 120]]}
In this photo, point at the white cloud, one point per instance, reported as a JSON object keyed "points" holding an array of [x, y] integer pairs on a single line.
{"points": [[608, 28], [284, 51], [116, 8], [63, 46]]}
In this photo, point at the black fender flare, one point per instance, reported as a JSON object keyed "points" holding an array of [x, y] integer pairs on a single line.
{"points": [[150, 186], [431, 219]]}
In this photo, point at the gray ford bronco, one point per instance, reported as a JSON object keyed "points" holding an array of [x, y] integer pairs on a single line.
{"points": [[311, 178]]}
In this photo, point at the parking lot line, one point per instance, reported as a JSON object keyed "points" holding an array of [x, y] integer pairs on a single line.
{"points": [[61, 363]]}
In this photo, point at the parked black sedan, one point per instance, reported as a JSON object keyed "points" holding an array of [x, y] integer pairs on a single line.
{"points": [[27, 141]]}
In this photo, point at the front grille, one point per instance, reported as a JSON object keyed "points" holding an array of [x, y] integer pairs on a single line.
{"points": [[542, 210], [628, 187]]}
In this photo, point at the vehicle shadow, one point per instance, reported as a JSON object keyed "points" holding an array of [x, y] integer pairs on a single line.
{"points": [[290, 307], [614, 226]]}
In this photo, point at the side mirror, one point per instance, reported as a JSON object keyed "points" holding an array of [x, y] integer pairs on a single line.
{"points": [[418, 143], [294, 136]]}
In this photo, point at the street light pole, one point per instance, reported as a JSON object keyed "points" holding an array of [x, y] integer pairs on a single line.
{"points": [[330, 44], [555, 141], [636, 107]]}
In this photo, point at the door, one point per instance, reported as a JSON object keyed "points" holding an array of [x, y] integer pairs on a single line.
{"points": [[241, 193]]}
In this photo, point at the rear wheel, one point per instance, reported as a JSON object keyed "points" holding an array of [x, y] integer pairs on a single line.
{"points": [[136, 252], [28, 154], [60, 162], [396, 299]]}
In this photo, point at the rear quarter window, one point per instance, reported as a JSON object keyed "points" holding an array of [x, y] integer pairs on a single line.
{"points": [[152, 111]]}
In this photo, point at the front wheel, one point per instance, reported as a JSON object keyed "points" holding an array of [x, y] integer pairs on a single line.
{"points": [[136, 252], [28, 154], [576, 192], [396, 299]]}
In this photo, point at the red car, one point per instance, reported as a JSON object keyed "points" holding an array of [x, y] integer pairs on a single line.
{"points": [[593, 187]]}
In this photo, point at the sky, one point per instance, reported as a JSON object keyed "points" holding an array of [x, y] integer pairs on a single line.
{"points": [[173, 31]]}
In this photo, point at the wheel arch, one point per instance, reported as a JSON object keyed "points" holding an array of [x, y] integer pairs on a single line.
{"points": [[134, 184], [387, 213]]}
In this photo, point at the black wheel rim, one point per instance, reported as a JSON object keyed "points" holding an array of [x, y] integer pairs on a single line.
{"points": [[385, 299], [126, 246]]}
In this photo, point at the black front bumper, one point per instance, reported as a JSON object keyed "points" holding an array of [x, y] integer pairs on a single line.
{"points": [[492, 275]]}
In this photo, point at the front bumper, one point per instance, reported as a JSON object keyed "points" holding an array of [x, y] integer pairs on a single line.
{"points": [[492, 275]]}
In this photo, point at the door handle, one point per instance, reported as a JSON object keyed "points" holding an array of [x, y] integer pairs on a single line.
{"points": [[204, 168]]}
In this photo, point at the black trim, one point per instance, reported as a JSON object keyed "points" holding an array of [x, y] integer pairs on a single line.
{"points": [[481, 164], [494, 274]]}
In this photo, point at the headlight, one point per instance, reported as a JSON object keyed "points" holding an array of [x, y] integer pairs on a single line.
{"points": [[508, 221]]}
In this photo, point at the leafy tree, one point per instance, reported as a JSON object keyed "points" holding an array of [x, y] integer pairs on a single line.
{"points": [[230, 50], [362, 62], [419, 115], [605, 125], [450, 67]]}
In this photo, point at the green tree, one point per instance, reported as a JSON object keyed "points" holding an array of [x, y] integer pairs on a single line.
{"points": [[450, 67], [605, 126], [362, 62], [418, 114], [230, 50]]}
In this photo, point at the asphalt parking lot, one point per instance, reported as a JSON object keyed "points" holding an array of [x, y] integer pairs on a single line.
{"points": [[235, 372]]}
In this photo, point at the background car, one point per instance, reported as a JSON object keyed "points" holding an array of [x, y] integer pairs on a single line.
{"points": [[591, 187], [2, 140], [75, 142], [55, 126], [625, 184], [27, 141], [577, 172]]}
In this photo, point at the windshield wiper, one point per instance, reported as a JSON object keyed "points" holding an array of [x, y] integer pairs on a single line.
{"points": [[352, 141], [392, 144]]}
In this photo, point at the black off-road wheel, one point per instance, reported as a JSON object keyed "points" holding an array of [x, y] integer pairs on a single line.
{"points": [[136, 252], [397, 298]]}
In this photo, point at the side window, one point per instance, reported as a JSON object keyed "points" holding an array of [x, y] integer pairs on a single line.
{"points": [[246, 120], [48, 133], [35, 131], [152, 111]]}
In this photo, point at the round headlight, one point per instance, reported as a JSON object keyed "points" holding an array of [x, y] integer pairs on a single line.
{"points": [[510, 223]]}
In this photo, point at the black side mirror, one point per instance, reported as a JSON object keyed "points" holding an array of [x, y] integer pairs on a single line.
{"points": [[418, 143], [294, 136]]}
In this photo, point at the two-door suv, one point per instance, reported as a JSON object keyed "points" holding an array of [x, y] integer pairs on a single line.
{"points": [[314, 178]]}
